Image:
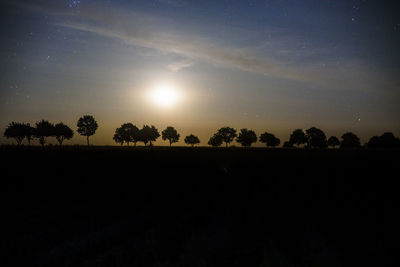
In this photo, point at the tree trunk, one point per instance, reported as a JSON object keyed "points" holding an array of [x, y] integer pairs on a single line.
{"points": [[170, 143], [226, 143], [87, 139], [127, 143]]}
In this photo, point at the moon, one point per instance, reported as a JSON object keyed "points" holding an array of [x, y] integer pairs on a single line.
{"points": [[165, 96]]}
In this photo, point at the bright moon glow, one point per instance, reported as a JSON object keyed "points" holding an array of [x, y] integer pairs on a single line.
{"points": [[165, 96]]}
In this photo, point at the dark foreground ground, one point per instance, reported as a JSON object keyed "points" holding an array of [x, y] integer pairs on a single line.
{"points": [[111, 206]]}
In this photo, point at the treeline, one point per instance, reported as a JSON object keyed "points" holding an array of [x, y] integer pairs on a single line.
{"points": [[129, 133], [44, 129]]}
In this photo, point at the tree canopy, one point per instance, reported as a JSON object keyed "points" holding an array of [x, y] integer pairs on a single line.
{"points": [[350, 140], [269, 139], [316, 138], [87, 126], [118, 136], [298, 137], [62, 132], [170, 134], [386, 140], [29, 132], [15, 130], [333, 141], [215, 140], [246, 137], [227, 134], [43, 130], [192, 140], [149, 134], [129, 133]]}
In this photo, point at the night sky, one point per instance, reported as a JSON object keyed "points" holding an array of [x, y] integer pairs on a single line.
{"points": [[271, 65]]}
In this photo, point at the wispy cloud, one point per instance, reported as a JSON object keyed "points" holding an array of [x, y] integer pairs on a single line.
{"points": [[179, 65], [148, 31]]}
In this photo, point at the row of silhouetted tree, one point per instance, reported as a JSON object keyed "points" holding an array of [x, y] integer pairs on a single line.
{"points": [[129, 133], [310, 138], [44, 129]]}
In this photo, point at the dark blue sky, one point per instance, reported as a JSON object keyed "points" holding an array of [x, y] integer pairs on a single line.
{"points": [[271, 65]]}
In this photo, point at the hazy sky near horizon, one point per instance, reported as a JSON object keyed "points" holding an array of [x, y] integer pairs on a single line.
{"points": [[271, 65]]}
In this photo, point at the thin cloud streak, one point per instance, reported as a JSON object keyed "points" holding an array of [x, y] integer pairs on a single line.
{"points": [[179, 65], [147, 31], [195, 48]]}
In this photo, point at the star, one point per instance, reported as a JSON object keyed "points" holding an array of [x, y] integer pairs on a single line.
{"points": [[74, 3]]}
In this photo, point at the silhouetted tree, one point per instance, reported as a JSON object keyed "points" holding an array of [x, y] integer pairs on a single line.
{"points": [[386, 140], [149, 134], [87, 126], [171, 135], [215, 140], [246, 137], [15, 130], [192, 140], [374, 142], [43, 130], [350, 140], [269, 139], [316, 138], [62, 132], [389, 140], [227, 134], [29, 133], [129, 133], [118, 136], [298, 137], [333, 141], [135, 134]]}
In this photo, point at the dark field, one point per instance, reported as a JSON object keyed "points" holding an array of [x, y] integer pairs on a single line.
{"points": [[112, 206]]}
